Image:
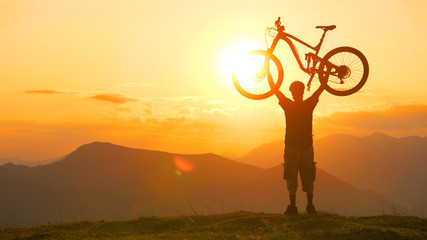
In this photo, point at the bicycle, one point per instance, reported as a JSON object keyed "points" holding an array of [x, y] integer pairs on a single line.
{"points": [[342, 71]]}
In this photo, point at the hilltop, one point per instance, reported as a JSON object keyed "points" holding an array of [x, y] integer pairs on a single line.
{"points": [[238, 225]]}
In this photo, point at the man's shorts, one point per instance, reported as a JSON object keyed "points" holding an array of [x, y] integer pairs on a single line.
{"points": [[302, 160]]}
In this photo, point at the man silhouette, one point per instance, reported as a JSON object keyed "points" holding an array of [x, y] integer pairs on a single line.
{"points": [[299, 155]]}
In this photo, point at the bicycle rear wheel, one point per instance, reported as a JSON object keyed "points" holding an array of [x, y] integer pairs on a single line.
{"points": [[351, 74], [259, 76]]}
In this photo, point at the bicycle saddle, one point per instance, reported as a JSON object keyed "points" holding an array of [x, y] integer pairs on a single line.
{"points": [[326, 28]]}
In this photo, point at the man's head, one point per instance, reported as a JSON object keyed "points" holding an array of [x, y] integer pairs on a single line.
{"points": [[297, 90]]}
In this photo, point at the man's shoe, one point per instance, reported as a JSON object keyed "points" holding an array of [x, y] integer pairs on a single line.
{"points": [[291, 210], [310, 209]]}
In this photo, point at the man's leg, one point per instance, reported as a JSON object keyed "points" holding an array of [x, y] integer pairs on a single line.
{"points": [[310, 207], [308, 175], [292, 208], [308, 187], [310, 197], [292, 195], [290, 174]]}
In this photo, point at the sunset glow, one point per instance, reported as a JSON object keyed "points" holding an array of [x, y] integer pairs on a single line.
{"points": [[235, 58], [157, 74]]}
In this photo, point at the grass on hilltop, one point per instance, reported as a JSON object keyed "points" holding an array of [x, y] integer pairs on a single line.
{"points": [[239, 225]]}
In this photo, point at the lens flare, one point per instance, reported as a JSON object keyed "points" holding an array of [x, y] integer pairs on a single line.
{"points": [[183, 164]]}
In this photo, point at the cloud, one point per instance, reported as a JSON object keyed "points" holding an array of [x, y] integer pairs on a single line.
{"points": [[113, 98], [107, 97], [215, 111], [134, 84], [45, 91], [187, 110], [399, 120], [147, 109], [180, 99], [213, 102]]}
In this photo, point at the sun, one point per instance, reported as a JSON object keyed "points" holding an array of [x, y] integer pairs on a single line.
{"points": [[234, 57], [248, 68]]}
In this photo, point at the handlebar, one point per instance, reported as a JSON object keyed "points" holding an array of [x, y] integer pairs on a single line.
{"points": [[279, 27], [277, 23]]}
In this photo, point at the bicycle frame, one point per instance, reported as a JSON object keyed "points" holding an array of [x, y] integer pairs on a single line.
{"points": [[341, 71], [314, 56]]}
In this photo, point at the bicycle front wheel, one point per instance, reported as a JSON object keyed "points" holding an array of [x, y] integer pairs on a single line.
{"points": [[259, 75], [349, 73]]}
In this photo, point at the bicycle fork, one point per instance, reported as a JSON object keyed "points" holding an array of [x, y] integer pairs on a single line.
{"points": [[265, 70]]}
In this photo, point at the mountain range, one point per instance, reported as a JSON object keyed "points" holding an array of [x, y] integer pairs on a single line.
{"points": [[392, 167], [106, 181], [18, 161]]}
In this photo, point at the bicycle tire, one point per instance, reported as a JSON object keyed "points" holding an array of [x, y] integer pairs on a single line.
{"points": [[353, 63], [274, 81]]}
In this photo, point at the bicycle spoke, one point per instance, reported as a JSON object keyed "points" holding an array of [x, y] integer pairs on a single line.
{"points": [[355, 66], [250, 79]]}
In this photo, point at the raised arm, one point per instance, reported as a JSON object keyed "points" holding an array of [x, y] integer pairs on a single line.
{"points": [[279, 95], [283, 100], [319, 91]]}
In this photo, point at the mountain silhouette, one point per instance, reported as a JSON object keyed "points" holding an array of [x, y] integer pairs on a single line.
{"points": [[17, 161], [106, 181], [266, 155], [392, 167]]}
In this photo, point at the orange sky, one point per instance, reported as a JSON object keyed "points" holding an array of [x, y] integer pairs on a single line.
{"points": [[148, 73]]}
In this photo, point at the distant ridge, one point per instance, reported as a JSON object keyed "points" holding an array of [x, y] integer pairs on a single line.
{"points": [[18, 161], [15, 161], [266, 155], [107, 181], [393, 167]]}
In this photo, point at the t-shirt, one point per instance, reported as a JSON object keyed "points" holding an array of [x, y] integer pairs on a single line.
{"points": [[299, 119]]}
